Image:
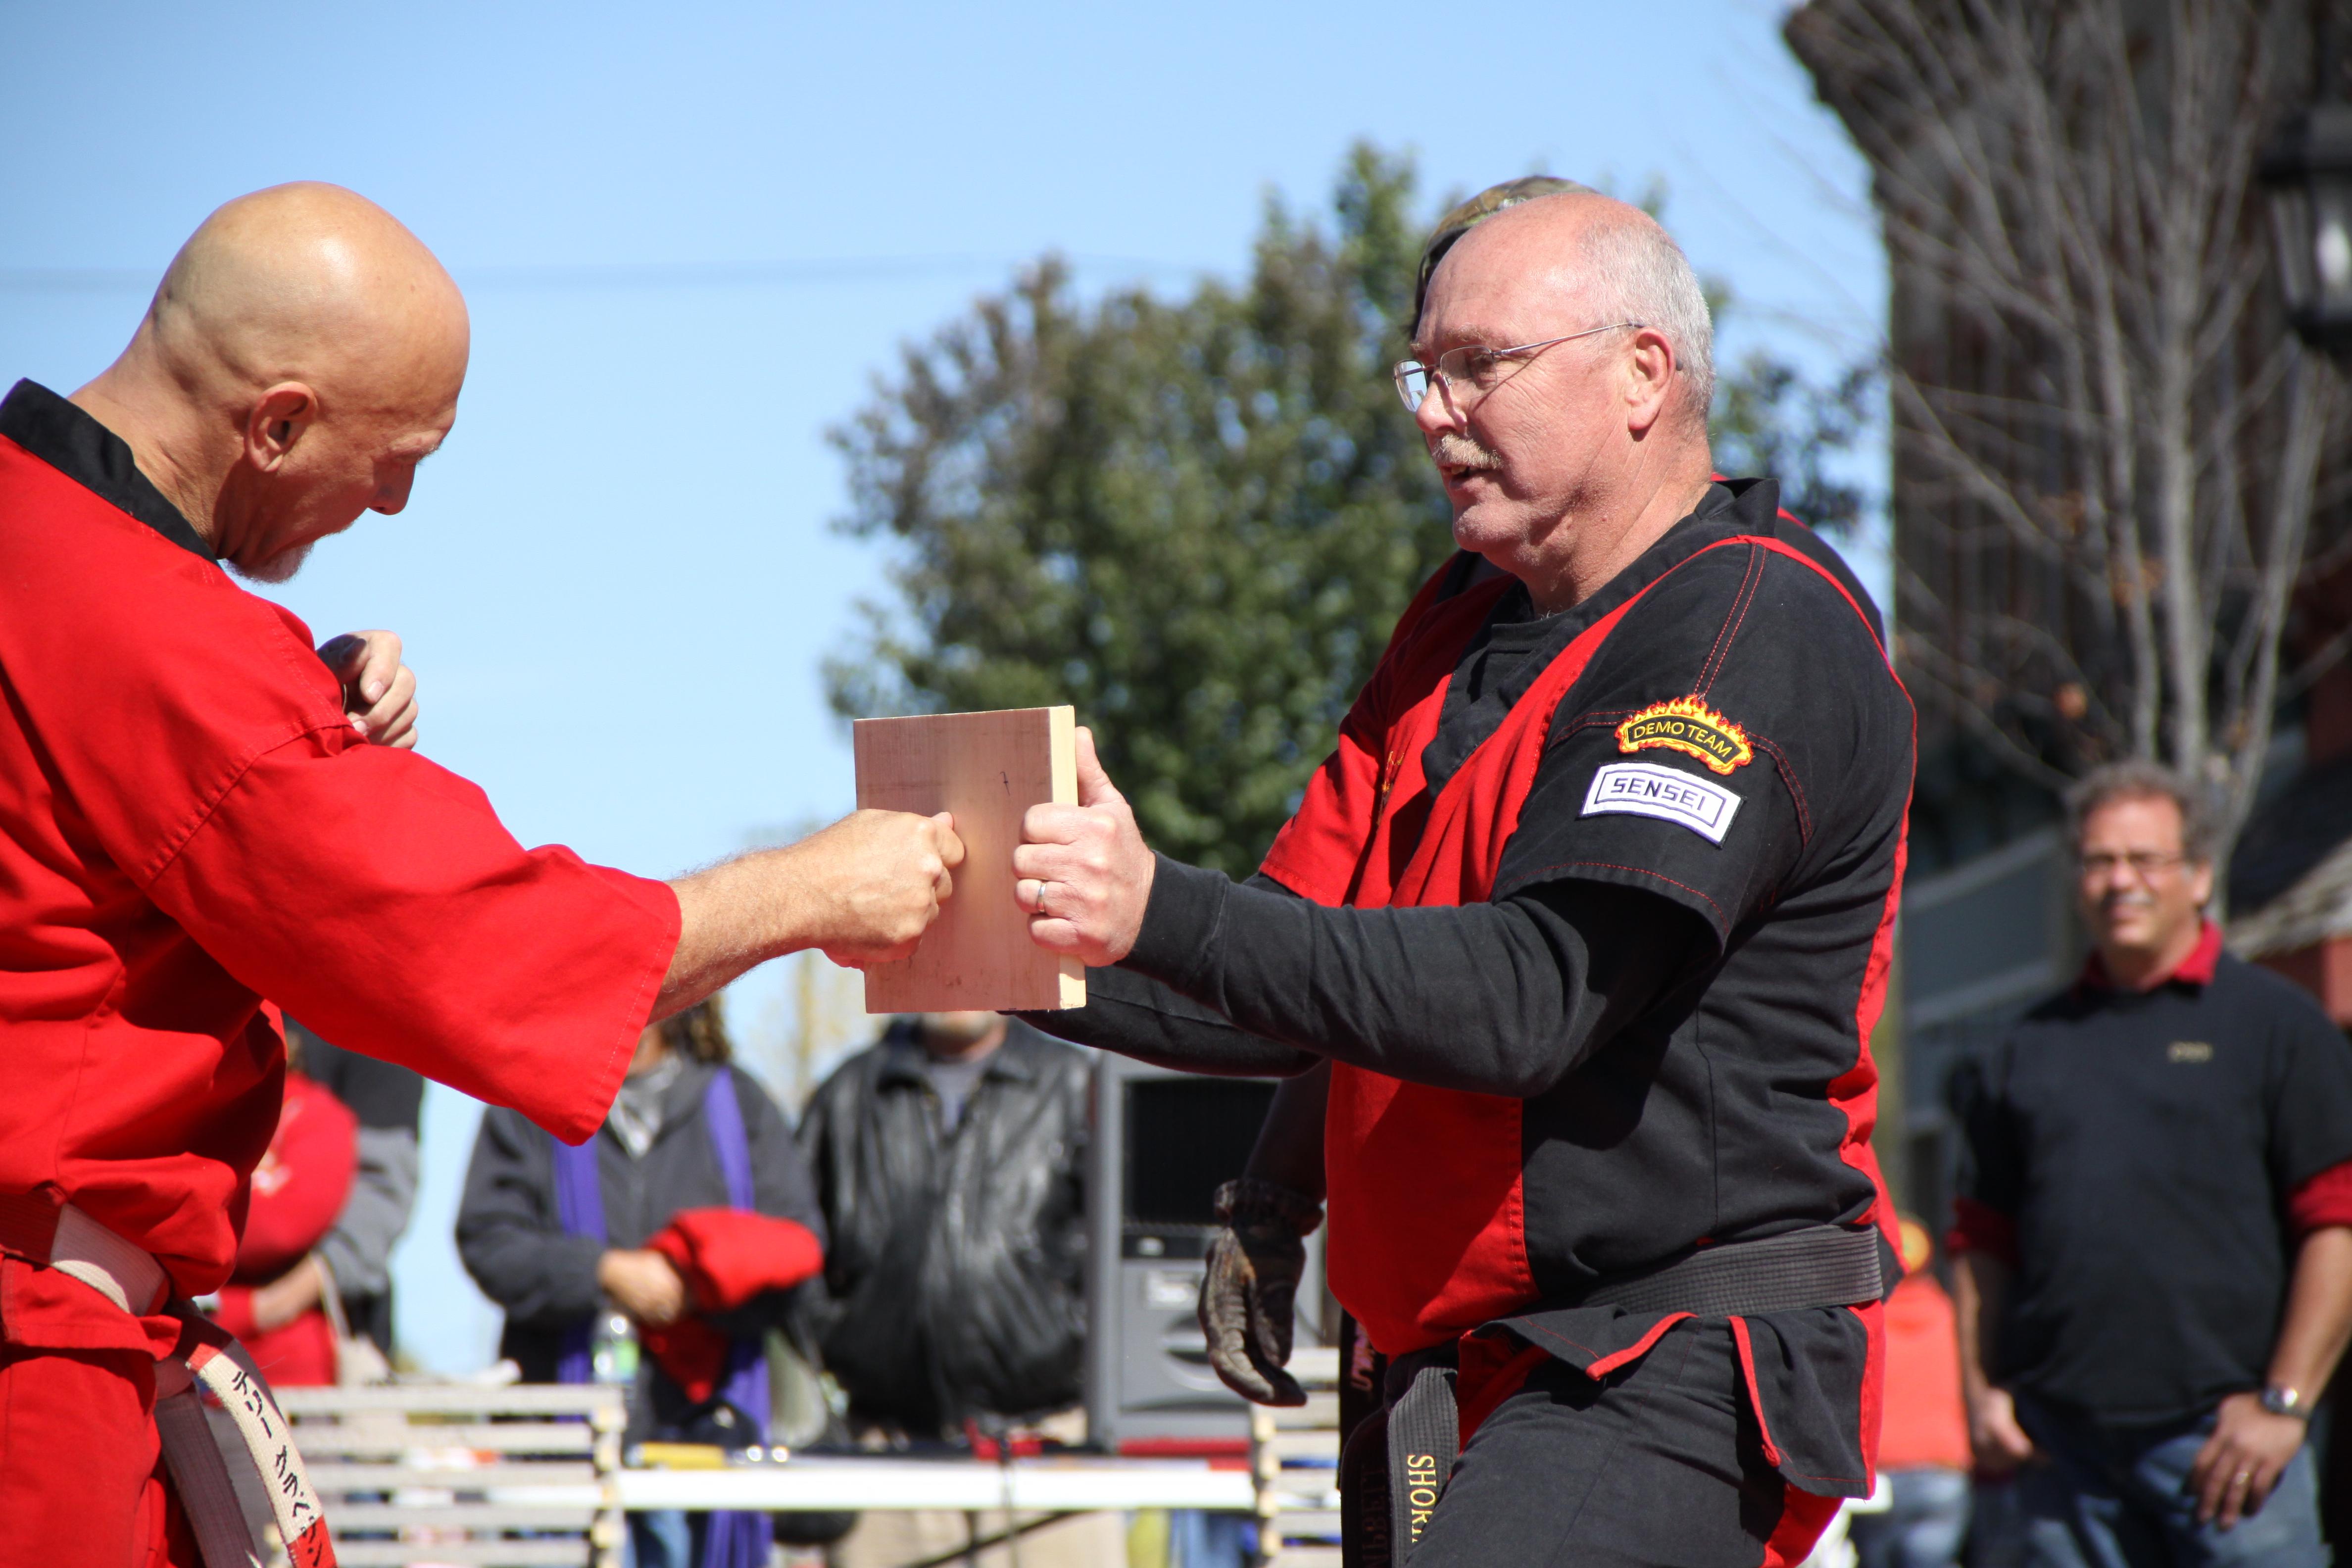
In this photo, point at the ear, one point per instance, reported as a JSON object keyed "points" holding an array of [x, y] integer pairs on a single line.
{"points": [[1649, 372], [2200, 883], [275, 421]]}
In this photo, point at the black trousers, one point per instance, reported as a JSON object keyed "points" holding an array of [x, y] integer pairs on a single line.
{"points": [[1659, 1462]]}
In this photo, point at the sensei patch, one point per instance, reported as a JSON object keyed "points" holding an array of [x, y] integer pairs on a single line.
{"points": [[1645, 789], [1689, 726]]}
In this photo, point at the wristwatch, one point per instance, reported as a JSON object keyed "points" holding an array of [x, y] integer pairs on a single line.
{"points": [[2281, 1400]]}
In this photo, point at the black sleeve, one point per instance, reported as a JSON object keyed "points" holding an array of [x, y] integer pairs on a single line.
{"points": [[508, 1234], [380, 1093], [1138, 1016], [1992, 1157], [2311, 1104], [1502, 998], [1737, 734]]}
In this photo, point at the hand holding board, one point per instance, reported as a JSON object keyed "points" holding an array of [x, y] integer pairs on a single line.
{"points": [[988, 769]]}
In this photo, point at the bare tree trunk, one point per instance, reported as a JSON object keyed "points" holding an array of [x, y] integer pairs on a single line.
{"points": [[2096, 414]]}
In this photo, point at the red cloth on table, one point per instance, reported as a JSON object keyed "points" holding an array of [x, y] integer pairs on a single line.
{"points": [[1926, 1424], [726, 1257]]}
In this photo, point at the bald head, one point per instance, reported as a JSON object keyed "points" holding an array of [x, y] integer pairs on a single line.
{"points": [[1568, 413], [303, 353], [310, 283]]}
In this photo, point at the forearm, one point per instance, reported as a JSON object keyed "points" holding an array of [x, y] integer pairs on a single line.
{"points": [[1493, 998], [1139, 1017], [2318, 1320], [865, 889], [1980, 1286], [358, 1250], [731, 918]]}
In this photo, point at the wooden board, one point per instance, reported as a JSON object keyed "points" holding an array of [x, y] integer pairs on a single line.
{"points": [[988, 769]]}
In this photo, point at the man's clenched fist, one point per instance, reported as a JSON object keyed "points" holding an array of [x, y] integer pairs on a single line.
{"points": [[879, 878], [1084, 871], [379, 691]]}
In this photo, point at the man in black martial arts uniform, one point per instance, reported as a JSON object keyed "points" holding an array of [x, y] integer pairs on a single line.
{"points": [[1589, 916]]}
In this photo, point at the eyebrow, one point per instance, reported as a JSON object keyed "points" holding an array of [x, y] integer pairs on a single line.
{"points": [[1476, 336]]}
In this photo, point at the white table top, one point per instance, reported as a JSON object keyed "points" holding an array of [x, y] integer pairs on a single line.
{"points": [[1074, 1484]]}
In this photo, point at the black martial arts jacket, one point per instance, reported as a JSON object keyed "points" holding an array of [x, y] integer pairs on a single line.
{"points": [[1592, 913]]}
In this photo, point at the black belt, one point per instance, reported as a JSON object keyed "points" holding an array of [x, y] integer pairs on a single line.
{"points": [[1819, 1265]]}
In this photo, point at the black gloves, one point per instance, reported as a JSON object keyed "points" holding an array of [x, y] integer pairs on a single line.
{"points": [[1251, 1284]]}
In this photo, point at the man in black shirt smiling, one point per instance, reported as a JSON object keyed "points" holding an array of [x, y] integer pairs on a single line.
{"points": [[2155, 1264]]}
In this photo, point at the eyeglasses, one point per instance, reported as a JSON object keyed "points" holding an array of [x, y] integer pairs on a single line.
{"points": [[2144, 864], [1471, 372]]}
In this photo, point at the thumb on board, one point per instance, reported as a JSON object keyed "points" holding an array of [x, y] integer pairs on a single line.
{"points": [[1094, 787]]}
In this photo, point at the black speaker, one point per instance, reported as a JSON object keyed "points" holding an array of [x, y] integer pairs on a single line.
{"points": [[1162, 1143]]}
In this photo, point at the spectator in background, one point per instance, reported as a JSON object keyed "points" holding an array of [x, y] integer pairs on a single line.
{"points": [[355, 1256], [680, 1228], [2155, 1221], [273, 1300], [949, 1160], [1923, 1447]]}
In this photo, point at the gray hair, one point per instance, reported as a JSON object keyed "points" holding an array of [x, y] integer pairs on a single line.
{"points": [[1636, 272], [2139, 780]]}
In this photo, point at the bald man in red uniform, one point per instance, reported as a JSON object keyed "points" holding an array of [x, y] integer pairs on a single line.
{"points": [[199, 810]]}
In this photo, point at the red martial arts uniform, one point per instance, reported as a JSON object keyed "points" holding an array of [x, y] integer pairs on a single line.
{"points": [[189, 823]]}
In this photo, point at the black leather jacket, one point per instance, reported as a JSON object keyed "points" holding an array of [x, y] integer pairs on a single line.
{"points": [[955, 1278]]}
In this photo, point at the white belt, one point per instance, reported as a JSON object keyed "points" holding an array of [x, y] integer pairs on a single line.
{"points": [[206, 1354]]}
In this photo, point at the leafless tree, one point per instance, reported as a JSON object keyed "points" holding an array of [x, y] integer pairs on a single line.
{"points": [[2108, 444]]}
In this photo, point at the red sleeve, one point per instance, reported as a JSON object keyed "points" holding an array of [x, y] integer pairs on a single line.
{"points": [[1317, 852], [233, 1311], [1979, 1228], [377, 897], [193, 736], [2323, 1201]]}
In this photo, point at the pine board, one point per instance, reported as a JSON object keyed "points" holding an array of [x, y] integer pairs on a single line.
{"points": [[988, 769]]}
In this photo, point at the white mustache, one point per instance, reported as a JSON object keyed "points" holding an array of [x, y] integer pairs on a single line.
{"points": [[1453, 451]]}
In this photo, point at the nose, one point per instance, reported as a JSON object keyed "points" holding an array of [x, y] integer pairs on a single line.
{"points": [[1436, 415], [392, 488]]}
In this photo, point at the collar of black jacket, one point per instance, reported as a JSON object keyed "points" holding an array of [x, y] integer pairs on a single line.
{"points": [[93, 457], [903, 1055]]}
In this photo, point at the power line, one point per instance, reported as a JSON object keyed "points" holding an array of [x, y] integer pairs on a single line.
{"points": [[642, 276]]}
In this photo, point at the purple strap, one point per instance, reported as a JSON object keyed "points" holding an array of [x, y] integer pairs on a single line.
{"points": [[730, 1540], [580, 1209], [736, 1540]]}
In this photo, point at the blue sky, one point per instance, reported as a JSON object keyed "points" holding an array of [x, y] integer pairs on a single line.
{"points": [[692, 233]]}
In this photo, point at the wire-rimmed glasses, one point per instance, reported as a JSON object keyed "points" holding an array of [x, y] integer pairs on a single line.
{"points": [[1472, 370]]}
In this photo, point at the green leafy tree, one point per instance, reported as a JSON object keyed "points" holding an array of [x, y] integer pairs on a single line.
{"points": [[1197, 520], [1771, 418], [1194, 519]]}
